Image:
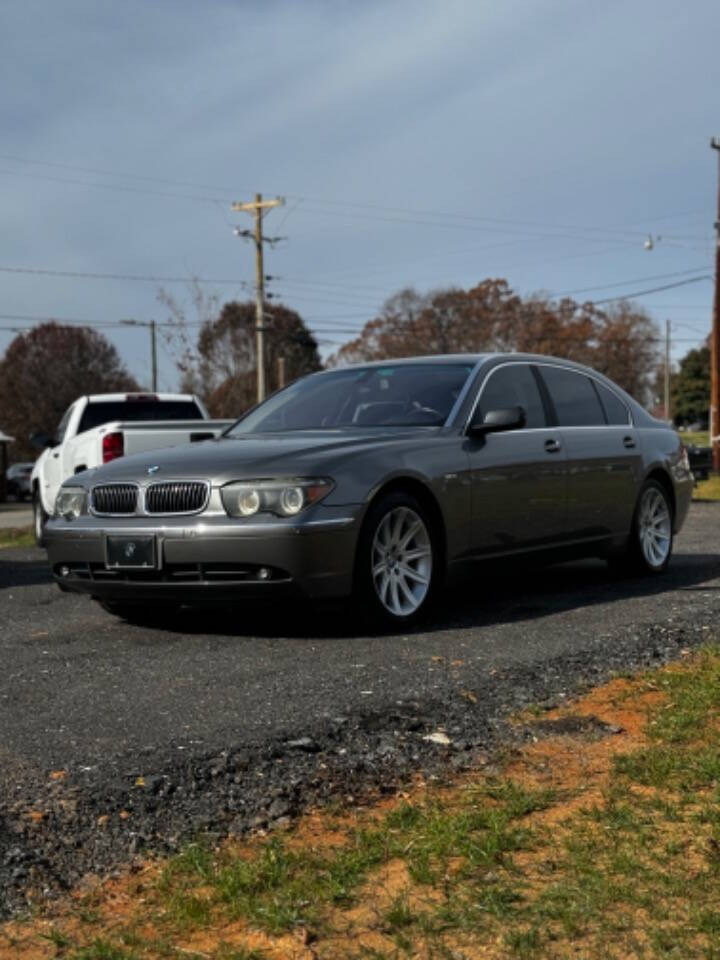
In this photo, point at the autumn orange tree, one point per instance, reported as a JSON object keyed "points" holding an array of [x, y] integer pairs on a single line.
{"points": [[44, 370], [620, 341]]}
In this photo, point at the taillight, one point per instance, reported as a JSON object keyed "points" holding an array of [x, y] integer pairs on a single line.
{"points": [[113, 446]]}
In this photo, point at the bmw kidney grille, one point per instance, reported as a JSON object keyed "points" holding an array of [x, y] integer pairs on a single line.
{"points": [[186, 497], [115, 499]]}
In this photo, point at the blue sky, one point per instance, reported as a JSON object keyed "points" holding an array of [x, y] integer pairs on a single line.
{"points": [[417, 143]]}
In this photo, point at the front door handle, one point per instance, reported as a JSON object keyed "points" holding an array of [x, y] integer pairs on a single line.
{"points": [[628, 442], [552, 446]]}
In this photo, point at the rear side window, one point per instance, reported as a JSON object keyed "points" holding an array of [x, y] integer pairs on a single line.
{"points": [[510, 386], [574, 398], [96, 414], [615, 410]]}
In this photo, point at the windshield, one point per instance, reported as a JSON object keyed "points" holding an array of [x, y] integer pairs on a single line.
{"points": [[398, 395]]}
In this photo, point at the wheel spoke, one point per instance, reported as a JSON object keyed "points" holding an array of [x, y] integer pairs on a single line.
{"points": [[407, 591], [413, 574], [395, 599], [419, 553], [409, 534]]}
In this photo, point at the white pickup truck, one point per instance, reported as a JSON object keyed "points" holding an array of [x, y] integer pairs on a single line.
{"points": [[101, 427]]}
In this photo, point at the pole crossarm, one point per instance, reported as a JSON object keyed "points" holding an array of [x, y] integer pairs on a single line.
{"points": [[252, 205]]}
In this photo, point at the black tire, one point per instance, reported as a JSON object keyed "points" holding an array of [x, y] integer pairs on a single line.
{"points": [[388, 591], [140, 614], [649, 547], [39, 520]]}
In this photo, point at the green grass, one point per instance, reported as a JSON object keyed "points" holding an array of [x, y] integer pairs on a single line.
{"points": [[708, 489], [281, 888], [700, 438], [16, 537]]}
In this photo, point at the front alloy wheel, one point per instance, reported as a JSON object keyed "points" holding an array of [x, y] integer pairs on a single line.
{"points": [[397, 561], [401, 561]]}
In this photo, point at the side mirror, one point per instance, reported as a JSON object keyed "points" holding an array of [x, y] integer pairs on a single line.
{"points": [[42, 440], [495, 421]]}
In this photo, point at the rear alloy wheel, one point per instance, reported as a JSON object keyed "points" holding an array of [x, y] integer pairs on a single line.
{"points": [[39, 520], [397, 560], [651, 540]]}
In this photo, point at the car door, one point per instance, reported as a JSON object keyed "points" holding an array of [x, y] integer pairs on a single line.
{"points": [[53, 473], [518, 476], [604, 461]]}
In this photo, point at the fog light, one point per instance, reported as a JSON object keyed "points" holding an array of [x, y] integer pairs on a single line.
{"points": [[264, 573], [64, 571]]}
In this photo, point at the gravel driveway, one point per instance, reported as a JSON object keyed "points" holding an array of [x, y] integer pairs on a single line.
{"points": [[116, 738]]}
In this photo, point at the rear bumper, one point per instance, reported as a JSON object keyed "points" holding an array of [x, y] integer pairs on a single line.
{"points": [[213, 558], [683, 498]]}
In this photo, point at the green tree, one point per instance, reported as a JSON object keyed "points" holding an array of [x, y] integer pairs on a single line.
{"points": [[222, 367], [690, 388], [44, 370]]}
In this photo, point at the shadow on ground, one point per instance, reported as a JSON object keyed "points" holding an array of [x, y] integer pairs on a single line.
{"points": [[23, 568], [484, 596]]}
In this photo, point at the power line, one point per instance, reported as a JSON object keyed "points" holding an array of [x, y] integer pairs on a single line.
{"points": [[399, 214], [86, 275], [642, 293], [623, 283]]}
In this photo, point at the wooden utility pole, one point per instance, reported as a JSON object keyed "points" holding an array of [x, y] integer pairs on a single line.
{"points": [[667, 370], [153, 353], [152, 326], [257, 207], [715, 337], [281, 371]]}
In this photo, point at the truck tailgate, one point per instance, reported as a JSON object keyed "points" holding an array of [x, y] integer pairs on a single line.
{"points": [[142, 435]]}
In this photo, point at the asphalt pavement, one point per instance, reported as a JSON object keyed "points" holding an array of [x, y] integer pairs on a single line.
{"points": [[233, 718]]}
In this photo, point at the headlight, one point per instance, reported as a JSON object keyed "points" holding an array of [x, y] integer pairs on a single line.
{"points": [[284, 498], [70, 502]]}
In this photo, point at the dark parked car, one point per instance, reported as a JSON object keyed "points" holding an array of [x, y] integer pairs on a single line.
{"points": [[700, 461], [375, 481], [18, 480]]}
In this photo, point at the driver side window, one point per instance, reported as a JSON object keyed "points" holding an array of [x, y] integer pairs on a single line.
{"points": [[513, 385]]}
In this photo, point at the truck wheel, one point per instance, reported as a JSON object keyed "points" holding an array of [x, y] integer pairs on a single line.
{"points": [[39, 520]]}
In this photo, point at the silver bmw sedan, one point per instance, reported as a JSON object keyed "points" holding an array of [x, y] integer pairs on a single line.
{"points": [[376, 481]]}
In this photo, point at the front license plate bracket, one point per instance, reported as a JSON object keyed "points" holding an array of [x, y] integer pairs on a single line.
{"points": [[130, 553]]}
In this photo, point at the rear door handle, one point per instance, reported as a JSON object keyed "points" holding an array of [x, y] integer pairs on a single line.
{"points": [[552, 446], [628, 442]]}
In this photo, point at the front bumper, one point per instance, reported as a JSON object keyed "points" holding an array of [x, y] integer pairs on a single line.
{"points": [[207, 557]]}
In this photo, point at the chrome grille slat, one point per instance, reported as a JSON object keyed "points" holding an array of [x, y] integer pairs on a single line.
{"points": [[115, 499], [188, 496]]}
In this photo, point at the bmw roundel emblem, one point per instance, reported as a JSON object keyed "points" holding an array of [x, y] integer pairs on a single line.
{"points": [[153, 469]]}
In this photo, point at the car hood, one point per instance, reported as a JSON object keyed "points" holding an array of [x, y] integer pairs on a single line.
{"points": [[253, 456]]}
